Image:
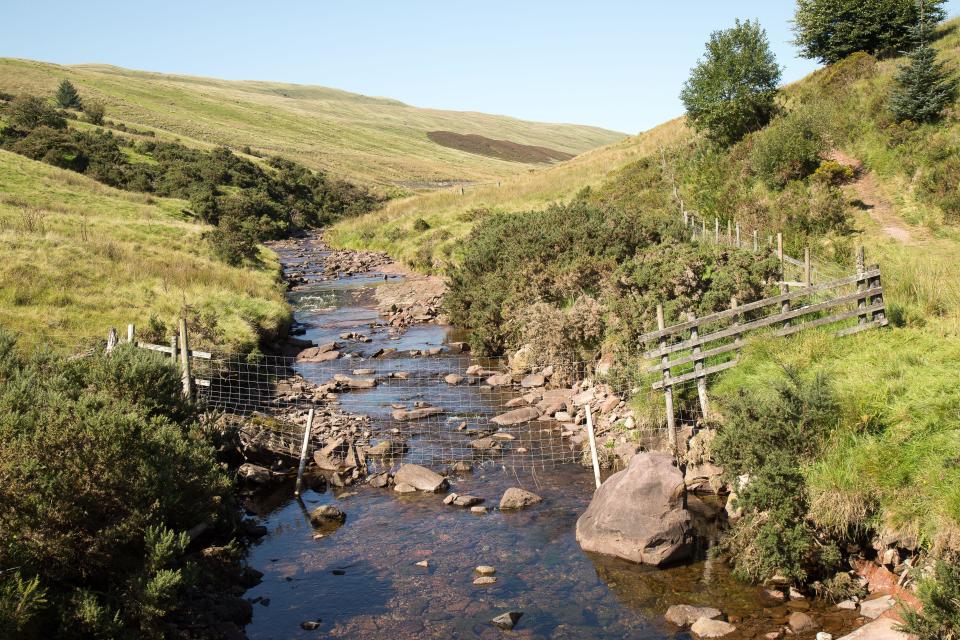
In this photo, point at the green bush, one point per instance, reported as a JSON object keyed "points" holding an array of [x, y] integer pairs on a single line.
{"points": [[67, 96], [30, 112], [788, 149], [768, 437], [940, 597], [101, 472]]}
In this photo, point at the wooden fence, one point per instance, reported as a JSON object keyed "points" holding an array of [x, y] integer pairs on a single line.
{"points": [[691, 350], [178, 349]]}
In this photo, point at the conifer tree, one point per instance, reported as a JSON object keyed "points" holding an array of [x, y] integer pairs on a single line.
{"points": [[67, 96], [923, 87]]}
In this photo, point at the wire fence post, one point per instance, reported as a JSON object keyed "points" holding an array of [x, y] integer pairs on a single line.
{"points": [[698, 368], [593, 447], [667, 388], [783, 275], [756, 245], [807, 270], [738, 235], [185, 360], [861, 284], [303, 451], [131, 333]]}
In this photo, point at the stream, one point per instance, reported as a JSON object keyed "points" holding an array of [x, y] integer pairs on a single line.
{"points": [[362, 581]]}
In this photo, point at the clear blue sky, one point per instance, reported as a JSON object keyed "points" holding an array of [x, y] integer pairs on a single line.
{"points": [[615, 64]]}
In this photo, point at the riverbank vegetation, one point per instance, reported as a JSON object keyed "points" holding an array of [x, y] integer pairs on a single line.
{"points": [[103, 471]]}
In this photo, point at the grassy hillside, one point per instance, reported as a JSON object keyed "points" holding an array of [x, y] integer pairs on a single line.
{"points": [[79, 257], [361, 138]]}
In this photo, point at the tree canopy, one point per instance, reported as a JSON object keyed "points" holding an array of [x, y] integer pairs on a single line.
{"points": [[830, 30], [924, 87], [67, 96], [732, 90]]}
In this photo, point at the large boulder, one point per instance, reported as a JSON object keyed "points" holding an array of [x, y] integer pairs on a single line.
{"points": [[638, 514], [420, 478]]}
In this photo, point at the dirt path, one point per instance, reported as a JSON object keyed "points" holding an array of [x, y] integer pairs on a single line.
{"points": [[867, 190]]}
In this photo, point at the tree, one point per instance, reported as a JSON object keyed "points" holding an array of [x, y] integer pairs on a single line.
{"points": [[830, 30], [732, 89], [67, 96], [924, 87]]}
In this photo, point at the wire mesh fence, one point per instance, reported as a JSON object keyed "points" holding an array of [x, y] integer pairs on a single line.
{"points": [[436, 409]]}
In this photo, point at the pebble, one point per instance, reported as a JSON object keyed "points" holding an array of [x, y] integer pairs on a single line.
{"points": [[508, 620], [423, 563], [823, 635], [482, 580], [450, 498], [403, 487], [485, 570], [479, 510], [310, 625]]}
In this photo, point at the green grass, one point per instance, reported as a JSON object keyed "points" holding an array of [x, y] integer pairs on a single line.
{"points": [[361, 138], [79, 257]]}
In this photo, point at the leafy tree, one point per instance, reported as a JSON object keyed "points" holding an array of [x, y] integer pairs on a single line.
{"points": [[924, 87], [67, 96], [830, 30], [731, 91], [29, 112]]}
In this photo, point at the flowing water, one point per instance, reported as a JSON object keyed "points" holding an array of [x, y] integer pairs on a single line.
{"points": [[361, 581]]}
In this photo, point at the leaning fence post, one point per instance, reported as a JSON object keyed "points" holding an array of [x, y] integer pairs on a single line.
{"points": [[593, 447], [667, 387], [111, 340], [185, 359], [698, 368], [861, 284], [131, 333], [303, 451]]}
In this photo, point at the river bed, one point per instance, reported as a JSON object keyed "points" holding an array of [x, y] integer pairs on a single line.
{"points": [[362, 581]]}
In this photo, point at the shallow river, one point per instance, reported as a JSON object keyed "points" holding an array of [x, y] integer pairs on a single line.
{"points": [[361, 581]]}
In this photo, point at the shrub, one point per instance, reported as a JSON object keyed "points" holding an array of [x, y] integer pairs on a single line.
{"points": [[235, 239], [940, 596], [833, 173], [768, 437], [100, 474], [731, 91], [421, 225], [788, 149], [29, 112], [830, 30], [94, 112]]}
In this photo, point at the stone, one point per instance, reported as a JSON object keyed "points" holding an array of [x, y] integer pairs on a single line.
{"points": [[516, 498], [847, 605], [254, 473], [485, 444], [310, 625], [403, 487], [880, 629], [379, 480], [482, 580], [402, 415], [450, 498], [329, 457], [420, 478], [704, 477], [638, 514], [709, 628], [516, 402], [773, 635], [478, 510], [364, 372], [387, 448], [423, 563], [467, 501], [823, 635], [684, 615], [461, 467], [775, 594], [500, 380], [508, 620], [876, 607], [485, 570], [516, 416], [453, 378], [533, 380], [327, 514], [800, 622]]}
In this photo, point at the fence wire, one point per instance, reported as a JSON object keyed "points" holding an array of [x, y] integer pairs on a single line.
{"points": [[435, 410]]}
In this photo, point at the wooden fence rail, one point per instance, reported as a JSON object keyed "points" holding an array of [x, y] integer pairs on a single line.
{"points": [[179, 351], [696, 348]]}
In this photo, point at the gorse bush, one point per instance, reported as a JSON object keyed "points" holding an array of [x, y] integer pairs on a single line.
{"points": [[788, 149], [101, 473], [940, 596], [768, 437]]}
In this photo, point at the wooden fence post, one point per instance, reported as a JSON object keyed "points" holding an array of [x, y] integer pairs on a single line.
{"points": [[667, 387], [877, 298], [729, 233], [785, 305], [131, 333], [738, 235], [737, 339], [703, 229], [716, 229], [861, 285], [698, 369], [591, 434], [303, 452], [807, 271], [780, 255], [111, 340], [174, 349], [756, 243], [185, 360]]}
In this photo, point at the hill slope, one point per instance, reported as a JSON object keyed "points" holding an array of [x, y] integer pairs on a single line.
{"points": [[351, 136]]}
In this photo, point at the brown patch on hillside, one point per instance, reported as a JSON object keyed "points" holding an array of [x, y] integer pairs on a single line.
{"points": [[501, 149]]}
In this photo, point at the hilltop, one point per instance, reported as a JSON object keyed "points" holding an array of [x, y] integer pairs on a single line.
{"points": [[360, 138]]}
